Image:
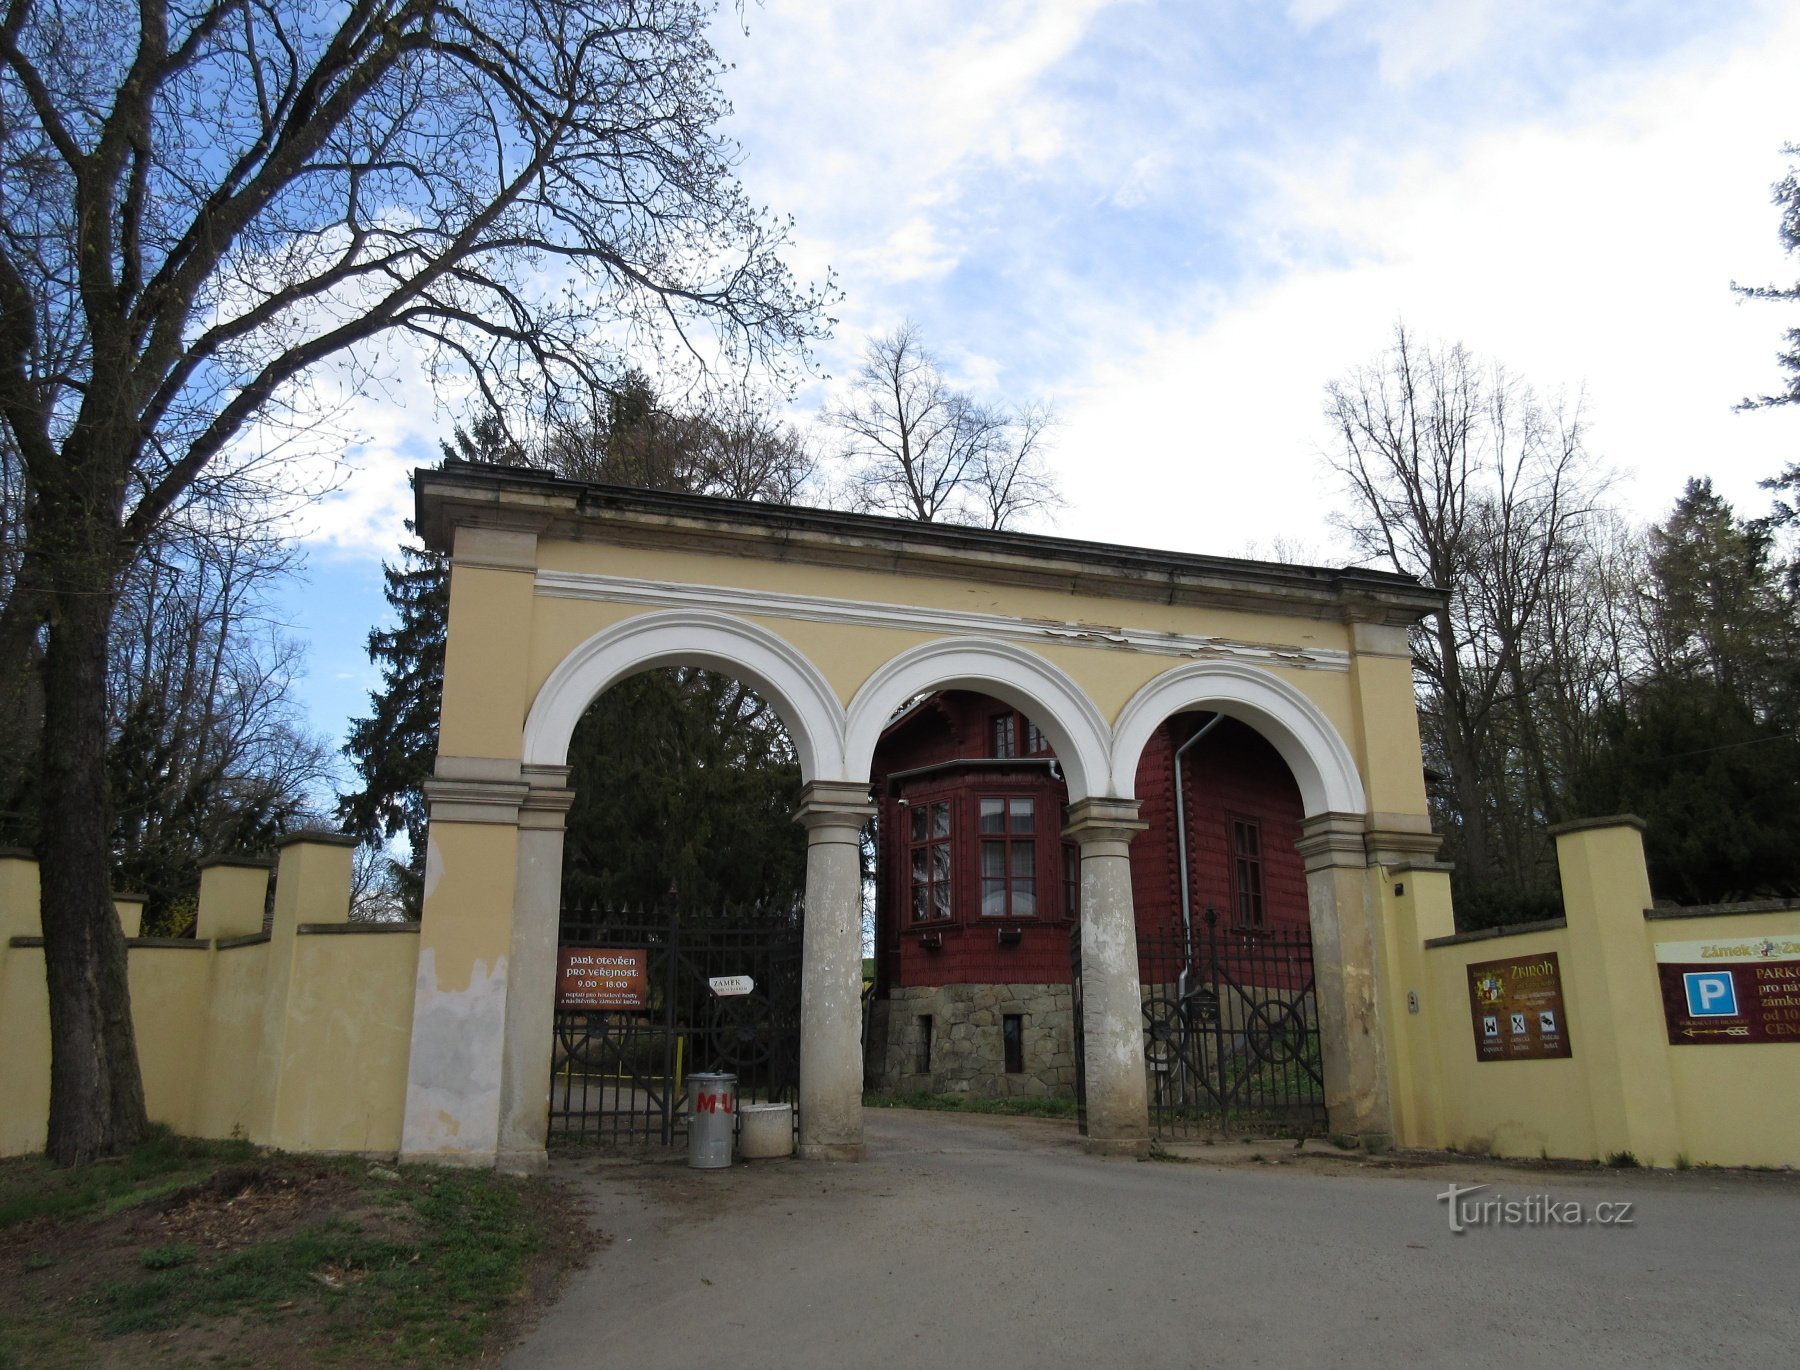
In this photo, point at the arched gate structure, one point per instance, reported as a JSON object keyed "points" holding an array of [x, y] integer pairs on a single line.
{"points": [[559, 589]]}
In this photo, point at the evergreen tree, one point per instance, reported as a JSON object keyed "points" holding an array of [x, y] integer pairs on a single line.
{"points": [[1703, 745], [685, 786], [684, 780]]}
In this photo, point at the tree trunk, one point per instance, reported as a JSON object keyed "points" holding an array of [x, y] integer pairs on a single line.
{"points": [[96, 1090]]}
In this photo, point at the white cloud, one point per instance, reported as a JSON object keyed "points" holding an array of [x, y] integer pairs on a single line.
{"points": [[1592, 255]]}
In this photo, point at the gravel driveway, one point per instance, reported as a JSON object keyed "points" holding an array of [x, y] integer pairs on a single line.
{"points": [[995, 1242]]}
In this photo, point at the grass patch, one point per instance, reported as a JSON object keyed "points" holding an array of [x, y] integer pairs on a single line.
{"points": [[188, 1252], [1624, 1160], [1021, 1107], [33, 1188]]}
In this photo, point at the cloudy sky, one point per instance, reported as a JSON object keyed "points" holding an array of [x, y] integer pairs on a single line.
{"points": [[1178, 221]]}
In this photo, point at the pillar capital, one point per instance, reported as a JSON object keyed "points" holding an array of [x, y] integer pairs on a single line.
{"points": [[829, 805], [1104, 819], [547, 799], [1331, 840], [476, 789]]}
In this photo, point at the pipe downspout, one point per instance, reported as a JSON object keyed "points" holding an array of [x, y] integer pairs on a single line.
{"points": [[1181, 844]]}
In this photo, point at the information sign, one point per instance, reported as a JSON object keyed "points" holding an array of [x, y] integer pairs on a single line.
{"points": [[1724, 992], [1517, 1006], [603, 979]]}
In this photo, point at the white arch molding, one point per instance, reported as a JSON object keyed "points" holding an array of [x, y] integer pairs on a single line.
{"points": [[1321, 764], [769, 664], [1020, 677]]}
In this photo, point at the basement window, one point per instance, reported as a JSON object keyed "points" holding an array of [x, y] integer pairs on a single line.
{"points": [[1012, 1036]]}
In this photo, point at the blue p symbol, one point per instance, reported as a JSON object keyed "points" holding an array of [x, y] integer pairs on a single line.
{"points": [[1710, 994]]}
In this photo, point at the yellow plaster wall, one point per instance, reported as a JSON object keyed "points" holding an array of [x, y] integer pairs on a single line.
{"points": [[331, 1011], [1508, 1108], [349, 1029], [1626, 1087], [225, 1107], [1738, 1104], [168, 1014], [848, 654], [486, 659], [469, 889], [24, 1013]]}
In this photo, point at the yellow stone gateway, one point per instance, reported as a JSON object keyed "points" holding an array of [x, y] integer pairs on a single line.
{"points": [[559, 589]]}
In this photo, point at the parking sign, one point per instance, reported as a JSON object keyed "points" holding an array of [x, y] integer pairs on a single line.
{"points": [[1711, 994]]}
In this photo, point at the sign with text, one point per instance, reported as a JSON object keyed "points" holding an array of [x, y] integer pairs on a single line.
{"points": [[1725, 992], [727, 985], [1517, 1006], [603, 979]]}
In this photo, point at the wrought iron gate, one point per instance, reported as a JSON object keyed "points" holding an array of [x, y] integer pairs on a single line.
{"points": [[620, 1077], [1231, 1029]]}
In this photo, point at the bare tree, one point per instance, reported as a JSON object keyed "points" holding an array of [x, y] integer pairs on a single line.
{"points": [[1464, 476], [914, 447], [206, 201]]}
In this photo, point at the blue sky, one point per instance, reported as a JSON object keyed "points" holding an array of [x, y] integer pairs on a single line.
{"points": [[1179, 221]]}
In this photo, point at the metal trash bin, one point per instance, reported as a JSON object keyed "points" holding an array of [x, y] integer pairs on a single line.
{"points": [[712, 1119]]}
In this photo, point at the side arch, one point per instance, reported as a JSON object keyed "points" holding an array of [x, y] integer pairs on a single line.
{"points": [[1022, 678], [1322, 765], [772, 666]]}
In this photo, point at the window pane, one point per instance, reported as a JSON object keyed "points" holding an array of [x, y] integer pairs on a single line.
{"points": [[940, 820], [918, 824], [940, 895], [1024, 858], [1001, 734], [993, 898], [993, 859], [921, 906], [993, 815], [1024, 898], [918, 858], [1024, 815], [940, 860]]}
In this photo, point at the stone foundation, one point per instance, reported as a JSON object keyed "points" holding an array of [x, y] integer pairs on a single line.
{"points": [[967, 1053]]}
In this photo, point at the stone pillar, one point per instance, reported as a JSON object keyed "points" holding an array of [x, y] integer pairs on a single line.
{"points": [[462, 1009], [1112, 1009], [531, 996], [130, 908], [233, 893], [1357, 1099], [312, 885], [831, 1066], [460, 999], [1616, 1013]]}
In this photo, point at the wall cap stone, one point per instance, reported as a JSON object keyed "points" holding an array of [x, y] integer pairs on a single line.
{"points": [[243, 859], [323, 929], [1657, 915], [1457, 939], [321, 838], [1617, 820]]}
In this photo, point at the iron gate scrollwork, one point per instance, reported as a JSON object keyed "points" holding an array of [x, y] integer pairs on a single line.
{"points": [[620, 1077], [1231, 1029]]}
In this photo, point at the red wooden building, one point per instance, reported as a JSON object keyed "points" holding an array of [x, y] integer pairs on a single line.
{"points": [[977, 893]]}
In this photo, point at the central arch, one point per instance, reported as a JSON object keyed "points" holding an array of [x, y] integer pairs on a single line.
{"points": [[1020, 677]]}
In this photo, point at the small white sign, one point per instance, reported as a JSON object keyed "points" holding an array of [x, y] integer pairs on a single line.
{"points": [[725, 985]]}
